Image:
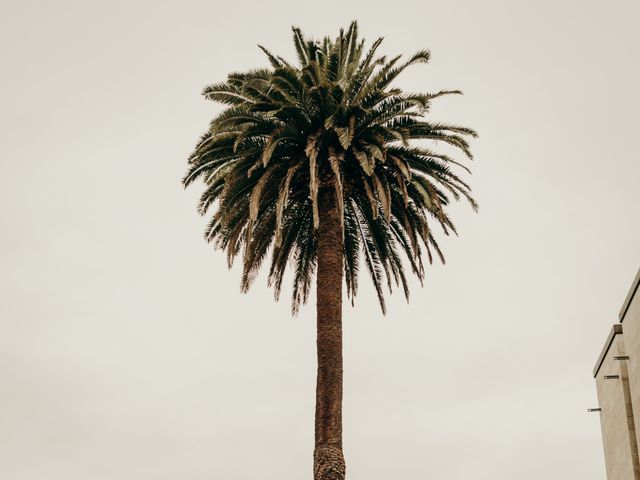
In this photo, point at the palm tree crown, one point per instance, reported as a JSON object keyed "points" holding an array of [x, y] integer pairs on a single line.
{"points": [[332, 121]]}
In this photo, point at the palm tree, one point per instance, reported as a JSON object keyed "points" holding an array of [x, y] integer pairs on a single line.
{"points": [[316, 165]]}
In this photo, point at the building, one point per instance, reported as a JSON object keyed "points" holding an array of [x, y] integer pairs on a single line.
{"points": [[617, 376]]}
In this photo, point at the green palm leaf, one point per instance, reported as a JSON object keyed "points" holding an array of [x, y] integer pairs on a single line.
{"points": [[334, 121]]}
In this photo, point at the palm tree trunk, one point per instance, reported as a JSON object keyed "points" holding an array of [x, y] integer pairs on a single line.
{"points": [[328, 459]]}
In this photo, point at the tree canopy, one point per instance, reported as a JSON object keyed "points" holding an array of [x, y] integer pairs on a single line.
{"points": [[332, 120]]}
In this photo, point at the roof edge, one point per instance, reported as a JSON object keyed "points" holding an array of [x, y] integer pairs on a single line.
{"points": [[630, 295], [615, 330]]}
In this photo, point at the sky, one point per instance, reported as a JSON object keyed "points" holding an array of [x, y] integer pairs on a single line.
{"points": [[127, 350]]}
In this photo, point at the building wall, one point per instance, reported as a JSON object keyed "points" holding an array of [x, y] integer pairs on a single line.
{"points": [[630, 318], [616, 416]]}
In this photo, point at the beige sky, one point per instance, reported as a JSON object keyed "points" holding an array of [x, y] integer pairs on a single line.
{"points": [[127, 351]]}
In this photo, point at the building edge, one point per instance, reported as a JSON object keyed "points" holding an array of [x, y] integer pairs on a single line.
{"points": [[632, 292], [615, 330]]}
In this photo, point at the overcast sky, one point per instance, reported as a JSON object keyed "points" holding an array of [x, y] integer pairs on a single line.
{"points": [[126, 348]]}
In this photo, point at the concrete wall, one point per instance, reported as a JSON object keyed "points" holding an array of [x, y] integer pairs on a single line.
{"points": [[630, 318], [616, 417]]}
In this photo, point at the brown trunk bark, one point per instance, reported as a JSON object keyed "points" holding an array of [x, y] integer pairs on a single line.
{"points": [[328, 459]]}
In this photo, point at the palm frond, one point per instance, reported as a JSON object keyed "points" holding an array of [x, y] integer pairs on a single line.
{"points": [[338, 121]]}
